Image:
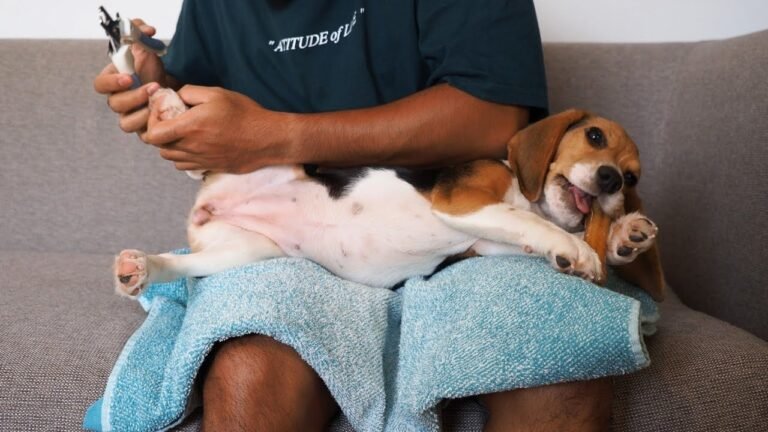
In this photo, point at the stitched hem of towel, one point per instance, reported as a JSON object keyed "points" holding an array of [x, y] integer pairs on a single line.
{"points": [[648, 327], [106, 415], [636, 337]]}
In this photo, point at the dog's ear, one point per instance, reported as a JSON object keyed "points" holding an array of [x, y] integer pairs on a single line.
{"points": [[645, 271], [532, 149]]}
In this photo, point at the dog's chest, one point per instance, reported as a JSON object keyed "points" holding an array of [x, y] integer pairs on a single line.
{"points": [[379, 232]]}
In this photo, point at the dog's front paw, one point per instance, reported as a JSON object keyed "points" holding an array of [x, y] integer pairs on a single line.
{"points": [[130, 273], [630, 235], [575, 257]]}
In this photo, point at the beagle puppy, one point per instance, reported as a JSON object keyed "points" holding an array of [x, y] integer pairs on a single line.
{"points": [[380, 226]]}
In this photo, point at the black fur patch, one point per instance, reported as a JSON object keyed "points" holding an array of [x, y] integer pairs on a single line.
{"points": [[449, 261], [451, 175], [421, 179], [340, 180], [336, 180]]}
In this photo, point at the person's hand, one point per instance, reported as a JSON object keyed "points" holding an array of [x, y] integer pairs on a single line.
{"points": [[223, 131], [129, 103]]}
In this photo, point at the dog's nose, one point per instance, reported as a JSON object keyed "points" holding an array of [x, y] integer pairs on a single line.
{"points": [[608, 179]]}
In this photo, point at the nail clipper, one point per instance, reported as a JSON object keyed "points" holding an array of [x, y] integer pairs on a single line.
{"points": [[122, 33]]}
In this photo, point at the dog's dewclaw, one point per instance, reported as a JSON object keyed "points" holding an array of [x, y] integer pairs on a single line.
{"points": [[596, 231]]}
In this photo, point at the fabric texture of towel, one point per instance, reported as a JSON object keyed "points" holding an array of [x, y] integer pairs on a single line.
{"points": [[388, 357]]}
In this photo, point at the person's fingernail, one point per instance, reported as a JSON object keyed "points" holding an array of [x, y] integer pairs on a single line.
{"points": [[124, 80]]}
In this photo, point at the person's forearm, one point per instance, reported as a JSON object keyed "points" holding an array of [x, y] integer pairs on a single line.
{"points": [[226, 131], [438, 126]]}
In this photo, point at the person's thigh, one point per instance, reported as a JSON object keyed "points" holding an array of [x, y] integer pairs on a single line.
{"points": [[257, 383], [580, 406]]}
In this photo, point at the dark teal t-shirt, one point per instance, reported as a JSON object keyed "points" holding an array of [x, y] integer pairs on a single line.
{"points": [[326, 55]]}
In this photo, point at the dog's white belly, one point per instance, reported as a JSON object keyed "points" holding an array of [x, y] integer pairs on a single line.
{"points": [[380, 232]]}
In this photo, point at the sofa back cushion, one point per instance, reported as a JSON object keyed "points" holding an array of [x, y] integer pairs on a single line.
{"points": [[70, 179]]}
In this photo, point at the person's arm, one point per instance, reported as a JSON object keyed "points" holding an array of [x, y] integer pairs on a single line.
{"points": [[438, 126], [226, 131]]}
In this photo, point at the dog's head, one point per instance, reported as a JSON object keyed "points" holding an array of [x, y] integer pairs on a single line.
{"points": [[566, 161]]}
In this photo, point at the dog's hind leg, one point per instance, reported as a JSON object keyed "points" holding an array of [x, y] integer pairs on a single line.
{"points": [[226, 247]]}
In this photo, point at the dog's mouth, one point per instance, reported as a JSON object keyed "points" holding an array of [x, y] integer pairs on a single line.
{"points": [[581, 199]]}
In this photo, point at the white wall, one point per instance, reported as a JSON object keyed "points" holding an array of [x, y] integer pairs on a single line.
{"points": [[649, 20], [78, 19], [560, 20]]}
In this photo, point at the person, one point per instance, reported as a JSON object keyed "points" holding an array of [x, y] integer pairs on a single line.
{"points": [[343, 83]]}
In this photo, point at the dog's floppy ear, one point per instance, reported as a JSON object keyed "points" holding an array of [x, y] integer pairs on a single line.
{"points": [[532, 149], [645, 271]]}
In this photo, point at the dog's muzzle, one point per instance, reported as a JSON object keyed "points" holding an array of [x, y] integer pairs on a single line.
{"points": [[608, 179]]}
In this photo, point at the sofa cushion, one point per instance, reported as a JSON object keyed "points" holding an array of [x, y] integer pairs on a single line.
{"points": [[61, 329], [81, 176], [705, 375]]}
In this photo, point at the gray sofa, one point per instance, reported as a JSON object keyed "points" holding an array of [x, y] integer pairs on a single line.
{"points": [[74, 190]]}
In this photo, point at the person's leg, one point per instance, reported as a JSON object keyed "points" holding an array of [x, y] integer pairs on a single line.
{"points": [[255, 383], [568, 407]]}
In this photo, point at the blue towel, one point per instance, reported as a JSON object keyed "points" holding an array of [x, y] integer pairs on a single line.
{"points": [[388, 357]]}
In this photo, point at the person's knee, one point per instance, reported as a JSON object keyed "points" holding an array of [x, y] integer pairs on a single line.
{"points": [[577, 392], [257, 380], [254, 364], [573, 406]]}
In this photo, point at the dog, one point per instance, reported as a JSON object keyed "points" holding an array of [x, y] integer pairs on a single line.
{"points": [[380, 226]]}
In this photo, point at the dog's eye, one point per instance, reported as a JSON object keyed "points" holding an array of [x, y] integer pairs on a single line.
{"points": [[630, 179], [595, 137]]}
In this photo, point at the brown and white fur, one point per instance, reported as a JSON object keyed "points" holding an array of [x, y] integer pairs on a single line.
{"points": [[380, 226]]}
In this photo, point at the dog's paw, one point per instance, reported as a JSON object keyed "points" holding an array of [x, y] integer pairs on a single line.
{"points": [[166, 103], [575, 257], [131, 273], [630, 235]]}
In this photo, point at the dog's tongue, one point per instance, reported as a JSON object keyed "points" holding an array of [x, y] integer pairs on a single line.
{"points": [[583, 200]]}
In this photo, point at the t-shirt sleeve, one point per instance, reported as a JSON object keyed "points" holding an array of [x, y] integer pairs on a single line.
{"points": [[188, 58], [490, 49]]}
